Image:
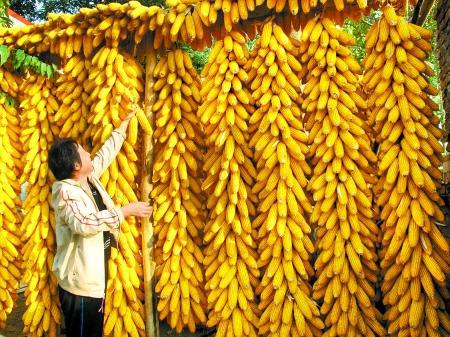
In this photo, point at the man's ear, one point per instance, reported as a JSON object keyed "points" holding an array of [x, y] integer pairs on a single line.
{"points": [[77, 167]]}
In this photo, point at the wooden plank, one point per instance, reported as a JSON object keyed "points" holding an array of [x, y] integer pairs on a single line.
{"points": [[151, 319]]}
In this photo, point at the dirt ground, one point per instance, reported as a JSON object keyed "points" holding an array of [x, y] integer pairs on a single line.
{"points": [[14, 325]]}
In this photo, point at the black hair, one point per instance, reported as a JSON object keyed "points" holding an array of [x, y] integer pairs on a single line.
{"points": [[62, 157]]}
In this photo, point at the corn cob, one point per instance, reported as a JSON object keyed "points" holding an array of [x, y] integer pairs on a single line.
{"points": [[115, 83], [346, 268], [207, 16], [139, 18], [177, 198], [9, 83], [230, 259], [415, 255], [186, 22], [233, 12], [73, 112], [38, 226], [10, 244], [280, 145], [11, 166]]}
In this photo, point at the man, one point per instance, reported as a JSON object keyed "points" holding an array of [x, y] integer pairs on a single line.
{"points": [[85, 219]]}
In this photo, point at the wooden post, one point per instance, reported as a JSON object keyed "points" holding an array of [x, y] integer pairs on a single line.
{"points": [[151, 319]]}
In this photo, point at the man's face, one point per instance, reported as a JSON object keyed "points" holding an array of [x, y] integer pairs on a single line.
{"points": [[86, 164]]}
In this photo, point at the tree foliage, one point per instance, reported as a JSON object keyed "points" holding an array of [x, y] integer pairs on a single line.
{"points": [[359, 30], [198, 57], [4, 17]]}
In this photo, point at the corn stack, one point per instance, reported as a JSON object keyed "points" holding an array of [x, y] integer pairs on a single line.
{"points": [[293, 5], [177, 197], [346, 267], [10, 244], [230, 262], [39, 105], [280, 148], [141, 19], [200, 39], [415, 255], [181, 24], [121, 19], [73, 113], [67, 34], [67, 46], [115, 22], [63, 35], [233, 11], [9, 83], [114, 83]]}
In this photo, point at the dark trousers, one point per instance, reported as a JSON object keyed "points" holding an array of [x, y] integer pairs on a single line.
{"points": [[83, 316]]}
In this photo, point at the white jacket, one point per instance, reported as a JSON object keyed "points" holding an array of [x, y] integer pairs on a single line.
{"points": [[79, 261]]}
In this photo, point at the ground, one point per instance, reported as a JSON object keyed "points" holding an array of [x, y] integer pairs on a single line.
{"points": [[14, 325]]}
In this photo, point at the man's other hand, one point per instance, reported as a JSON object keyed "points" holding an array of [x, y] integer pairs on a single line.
{"points": [[140, 209]]}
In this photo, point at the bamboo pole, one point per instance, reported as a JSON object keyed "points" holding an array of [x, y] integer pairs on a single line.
{"points": [[151, 319]]}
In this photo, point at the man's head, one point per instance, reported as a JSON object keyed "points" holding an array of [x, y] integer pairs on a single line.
{"points": [[67, 159]]}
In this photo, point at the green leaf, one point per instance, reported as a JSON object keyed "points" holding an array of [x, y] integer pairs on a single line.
{"points": [[4, 16], [27, 61], [48, 70], [4, 54], [10, 101], [43, 70], [16, 64], [34, 62], [19, 57]]}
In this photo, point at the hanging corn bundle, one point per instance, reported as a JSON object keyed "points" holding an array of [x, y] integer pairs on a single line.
{"points": [[39, 105], [415, 255], [178, 214], [280, 145], [115, 84], [346, 267], [10, 168], [231, 268], [73, 113]]}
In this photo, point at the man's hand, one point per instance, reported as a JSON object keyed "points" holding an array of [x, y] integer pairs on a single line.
{"points": [[124, 125], [139, 209]]}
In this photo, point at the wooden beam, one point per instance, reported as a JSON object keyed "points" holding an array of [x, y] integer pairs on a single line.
{"points": [[151, 319], [416, 11], [425, 9]]}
